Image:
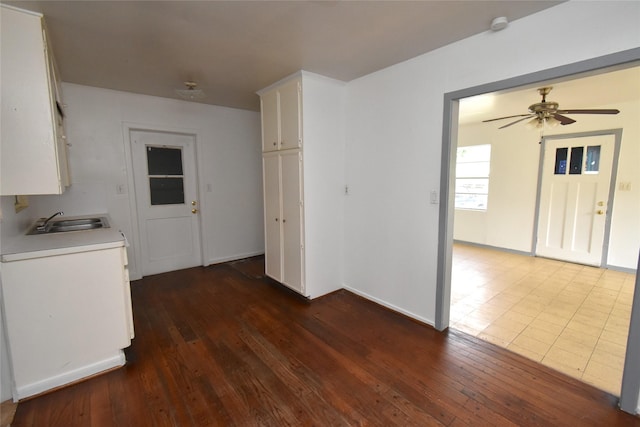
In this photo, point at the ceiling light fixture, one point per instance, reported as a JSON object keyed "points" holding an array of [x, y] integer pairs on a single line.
{"points": [[499, 23], [190, 92]]}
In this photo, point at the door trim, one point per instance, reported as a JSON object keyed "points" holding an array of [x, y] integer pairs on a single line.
{"points": [[617, 134], [626, 58], [135, 268]]}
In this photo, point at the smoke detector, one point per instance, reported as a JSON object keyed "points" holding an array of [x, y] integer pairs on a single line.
{"points": [[190, 92], [499, 23]]}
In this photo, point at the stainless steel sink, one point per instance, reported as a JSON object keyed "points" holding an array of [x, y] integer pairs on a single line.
{"points": [[74, 222], [66, 225]]}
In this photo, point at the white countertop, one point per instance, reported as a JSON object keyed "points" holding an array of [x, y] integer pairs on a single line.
{"points": [[44, 245]]}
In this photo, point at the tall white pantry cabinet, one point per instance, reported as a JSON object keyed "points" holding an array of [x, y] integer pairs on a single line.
{"points": [[303, 144]]}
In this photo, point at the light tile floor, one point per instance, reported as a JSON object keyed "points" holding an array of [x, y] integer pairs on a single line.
{"points": [[570, 317]]}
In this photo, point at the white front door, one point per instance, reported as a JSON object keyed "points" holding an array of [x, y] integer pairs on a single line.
{"points": [[574, 196], [164, 168]]}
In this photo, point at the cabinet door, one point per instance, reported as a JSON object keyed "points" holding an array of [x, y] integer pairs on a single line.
{"points": [[56, 108], [66, 317], [292, 238], [290, 136], [272, 217], [269, 104], [30, 163]]}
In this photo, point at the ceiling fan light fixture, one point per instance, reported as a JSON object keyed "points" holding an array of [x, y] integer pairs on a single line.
{"points": [[534, 123], [499, 23], [552, 122], [190, 92]]}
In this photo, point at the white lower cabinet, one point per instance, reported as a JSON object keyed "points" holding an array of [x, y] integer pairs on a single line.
{"points": [[283, 199], [67, 317]]}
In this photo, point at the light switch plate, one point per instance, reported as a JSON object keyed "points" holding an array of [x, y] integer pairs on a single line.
{"points": [[433, 197]]}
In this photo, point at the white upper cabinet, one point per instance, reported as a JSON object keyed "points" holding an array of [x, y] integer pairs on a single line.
{"points": [[281, 117], [33, 158]]}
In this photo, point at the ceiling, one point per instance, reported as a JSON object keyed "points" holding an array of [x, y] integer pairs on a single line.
{"points": [[234, 48]]}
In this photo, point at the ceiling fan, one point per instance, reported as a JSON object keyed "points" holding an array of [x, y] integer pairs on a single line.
{"points": [[549, 113]]}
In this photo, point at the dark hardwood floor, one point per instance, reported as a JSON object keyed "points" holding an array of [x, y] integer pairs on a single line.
{"points": [[225, 346]]}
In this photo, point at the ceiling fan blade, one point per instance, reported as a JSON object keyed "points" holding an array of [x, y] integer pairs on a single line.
{"points": [[517, 121], [564, 120], [605, 111], [506, 117]]}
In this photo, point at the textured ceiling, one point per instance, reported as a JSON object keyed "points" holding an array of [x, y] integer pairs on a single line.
{"points": [[234, 48]]}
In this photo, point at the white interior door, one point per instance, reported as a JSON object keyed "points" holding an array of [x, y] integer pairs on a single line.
{"points": [[164, 168], [574, 195]]}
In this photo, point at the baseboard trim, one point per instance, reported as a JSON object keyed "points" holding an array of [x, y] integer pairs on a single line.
{"points": [[391, 306], [495, 248], [69, 377], [621, 269], [233, 258]]}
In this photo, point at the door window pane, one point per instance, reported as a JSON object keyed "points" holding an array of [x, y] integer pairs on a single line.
{"points": [[166, 179], [166, 191], [575, 164], [164, 161], [593, 159], [561, 161]]}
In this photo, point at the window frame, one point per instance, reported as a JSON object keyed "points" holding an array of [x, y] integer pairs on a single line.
{"points": [[482, 163]]}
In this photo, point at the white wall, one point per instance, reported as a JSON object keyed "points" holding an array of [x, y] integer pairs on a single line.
{"points": [[394, 140], [509, 219], [323, 153], [229, 164]]}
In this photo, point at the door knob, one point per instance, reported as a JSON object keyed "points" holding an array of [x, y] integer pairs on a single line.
{"points": [[600, 203], [600, 212], [193, 203], [194, 211]]}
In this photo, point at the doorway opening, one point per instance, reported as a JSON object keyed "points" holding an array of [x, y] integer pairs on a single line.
{"points": [[448, 251]]}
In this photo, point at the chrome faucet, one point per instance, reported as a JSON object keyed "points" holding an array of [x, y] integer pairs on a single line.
{"points": [[43, 226]]}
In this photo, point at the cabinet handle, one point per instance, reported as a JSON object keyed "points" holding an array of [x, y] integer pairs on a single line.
{"points": [[276, 219], [194, 211], [275, 143], [284, 220], [600, 212]]}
